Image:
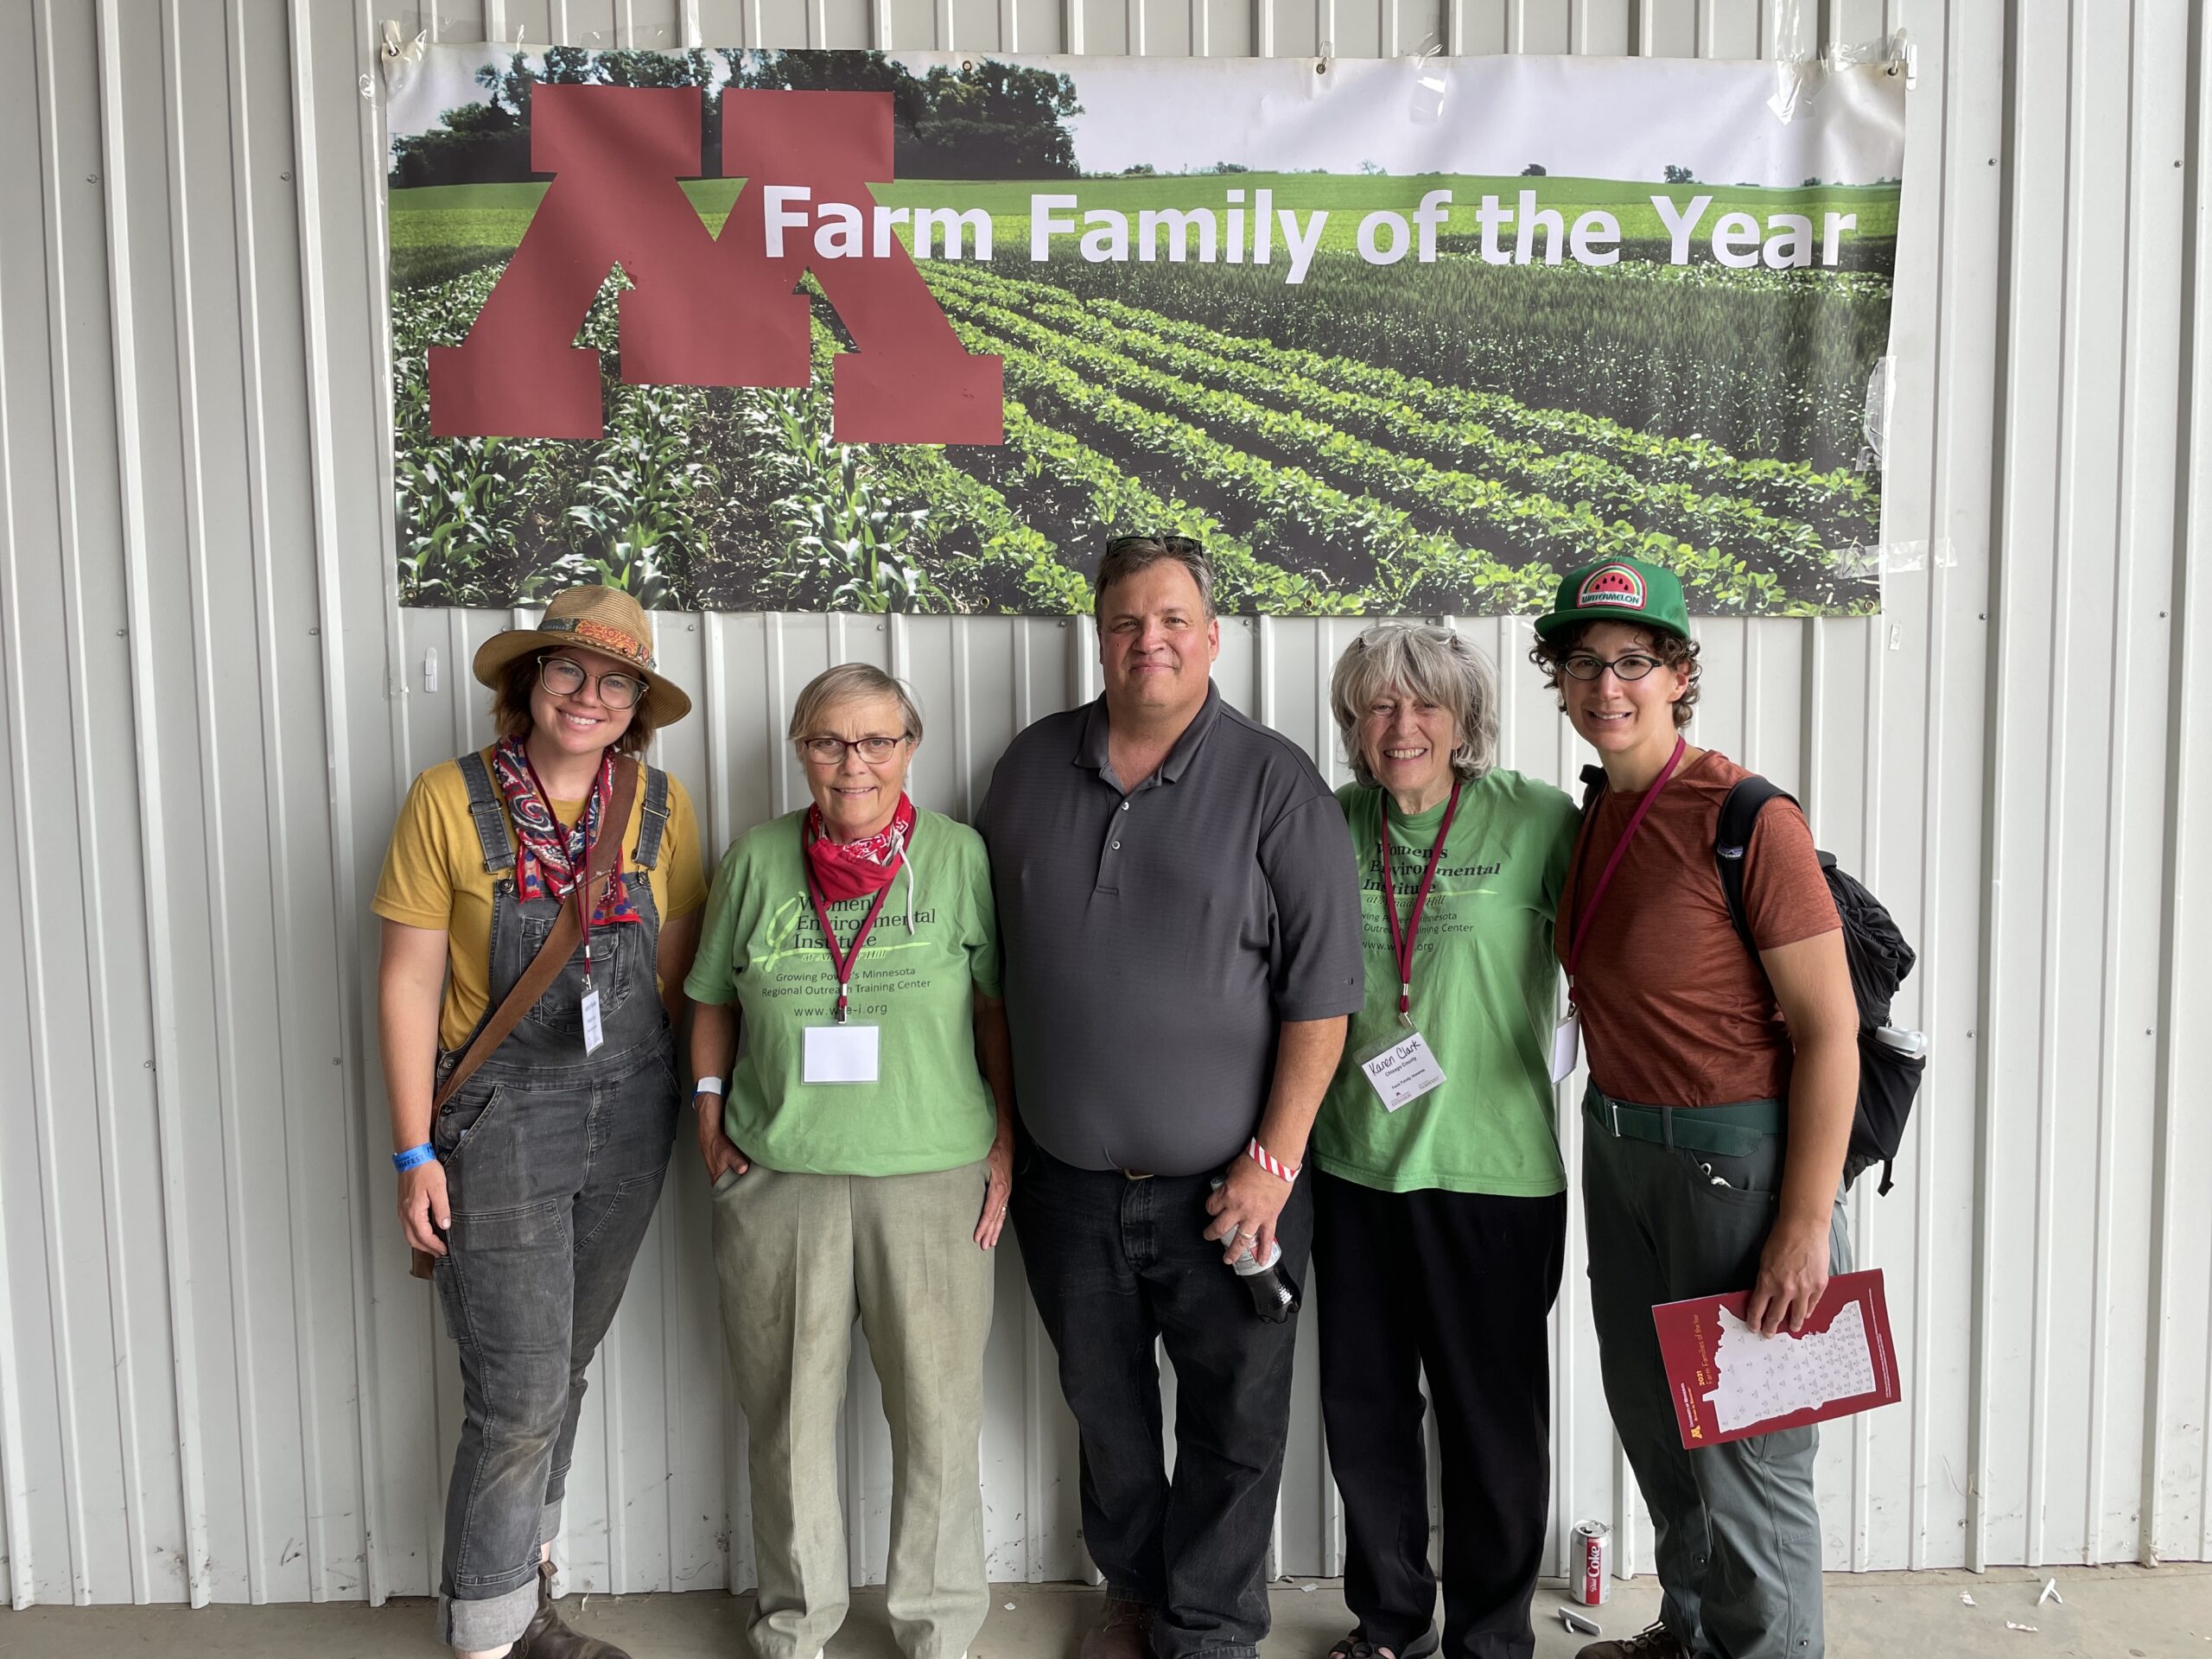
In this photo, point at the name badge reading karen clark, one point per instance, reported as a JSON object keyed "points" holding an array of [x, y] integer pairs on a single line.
{"points": [[1403, 1071], [840, 1053]]}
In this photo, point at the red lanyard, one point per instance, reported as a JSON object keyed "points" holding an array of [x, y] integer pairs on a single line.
{"points": [[841, 964], [602, 786], [1635, 823], [1401, 943]]}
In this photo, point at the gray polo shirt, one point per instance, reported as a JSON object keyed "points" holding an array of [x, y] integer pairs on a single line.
{"points": [[1154, 939]]}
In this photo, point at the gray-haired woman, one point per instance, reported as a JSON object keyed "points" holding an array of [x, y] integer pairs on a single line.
{"points": [[861, 1156], [1439, 1199]]}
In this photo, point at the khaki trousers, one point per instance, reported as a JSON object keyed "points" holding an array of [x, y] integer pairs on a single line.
{"points": [[799, 1257]]}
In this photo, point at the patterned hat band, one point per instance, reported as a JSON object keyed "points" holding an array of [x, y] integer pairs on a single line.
{"points": [[600, 636]]}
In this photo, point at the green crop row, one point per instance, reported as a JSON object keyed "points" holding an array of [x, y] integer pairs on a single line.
{"points": [[1456, 447], [1840, 505]]}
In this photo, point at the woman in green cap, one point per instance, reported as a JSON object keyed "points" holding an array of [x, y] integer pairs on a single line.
{"points": [[1718, 1110]]}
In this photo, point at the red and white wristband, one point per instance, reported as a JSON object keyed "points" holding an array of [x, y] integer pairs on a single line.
{"points": [[1267, 1160]]}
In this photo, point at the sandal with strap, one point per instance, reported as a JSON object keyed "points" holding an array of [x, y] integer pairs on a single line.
{"points": [[1356, 1646]]}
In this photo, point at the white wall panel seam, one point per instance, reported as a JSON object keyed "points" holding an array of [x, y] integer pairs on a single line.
{"points": [[2186, 799], [169, 1083], [283, 851], [344, 852], [2120, 717], [17, 1542], [1997, 709], [213, 816]]}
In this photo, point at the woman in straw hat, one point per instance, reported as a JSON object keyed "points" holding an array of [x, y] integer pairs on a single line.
{"points": [[861, 1156], [533, 1188]]}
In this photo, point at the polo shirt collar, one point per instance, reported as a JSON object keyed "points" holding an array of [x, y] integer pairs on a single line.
{"points": [[1090, 745]]}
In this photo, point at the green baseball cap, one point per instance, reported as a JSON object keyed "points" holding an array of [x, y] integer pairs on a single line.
{"points": [[1618, 590]]}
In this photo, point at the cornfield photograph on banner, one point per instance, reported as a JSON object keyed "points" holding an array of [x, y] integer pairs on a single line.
{"points": [[860, 331]]}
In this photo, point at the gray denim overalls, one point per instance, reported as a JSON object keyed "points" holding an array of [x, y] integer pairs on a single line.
{"points": [[553, 1162]]}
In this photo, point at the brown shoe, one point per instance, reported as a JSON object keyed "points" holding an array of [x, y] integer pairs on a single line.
{"points": [[1657, 1642], [547, 1637], [1124, 1633]]}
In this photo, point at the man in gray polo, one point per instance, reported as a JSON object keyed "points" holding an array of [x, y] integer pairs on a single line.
{"points": [[1180, 917]]}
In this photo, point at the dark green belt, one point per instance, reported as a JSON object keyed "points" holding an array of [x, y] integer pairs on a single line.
{"points": [[1734, 1131]]}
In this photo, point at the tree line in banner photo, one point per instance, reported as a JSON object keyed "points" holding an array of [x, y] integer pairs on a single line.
{"points": [[1390, 336]]}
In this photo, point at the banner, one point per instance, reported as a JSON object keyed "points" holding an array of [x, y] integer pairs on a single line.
{"points": [[859, 330]]}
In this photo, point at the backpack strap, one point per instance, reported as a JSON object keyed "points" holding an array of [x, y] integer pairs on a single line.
{"points": [[652, 819], [489, 814], [1731, 840], [1593, 787]]}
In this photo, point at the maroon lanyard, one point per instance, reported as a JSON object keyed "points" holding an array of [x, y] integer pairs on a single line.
{"points": [[602, 786], [842, 963], [1635, 823], [1401, 943]]}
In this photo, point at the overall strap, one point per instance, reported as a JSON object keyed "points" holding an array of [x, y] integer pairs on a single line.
{"points": [[489, 814], [652, 819], [1731, 840]]}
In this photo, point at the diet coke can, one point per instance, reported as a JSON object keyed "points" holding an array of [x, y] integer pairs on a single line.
{"points": [[1592, 1541]]}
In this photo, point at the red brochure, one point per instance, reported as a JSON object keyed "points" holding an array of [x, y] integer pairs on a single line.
{"points": [[1729, 1382]]}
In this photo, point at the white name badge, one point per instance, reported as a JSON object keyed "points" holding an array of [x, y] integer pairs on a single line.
{"points": [[1566, 1045], [593, 1035], [840, 1054], [1405, 1071]]}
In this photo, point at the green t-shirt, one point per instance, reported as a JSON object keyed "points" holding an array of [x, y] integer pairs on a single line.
{"points": [[1486, 996], [761, 948]]}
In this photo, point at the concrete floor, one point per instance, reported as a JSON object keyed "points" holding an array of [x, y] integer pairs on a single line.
{"points": [[2109, 1613]]}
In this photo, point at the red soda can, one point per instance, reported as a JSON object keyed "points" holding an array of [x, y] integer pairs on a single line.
{"points": [[1593, 1541]]}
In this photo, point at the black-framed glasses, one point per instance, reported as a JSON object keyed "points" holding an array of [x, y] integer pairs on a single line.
{"points": [[564, 676], [1628, 665], [831, 751]]}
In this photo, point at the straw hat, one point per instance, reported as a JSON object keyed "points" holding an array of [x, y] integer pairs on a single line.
{"points": [[605, 619]]}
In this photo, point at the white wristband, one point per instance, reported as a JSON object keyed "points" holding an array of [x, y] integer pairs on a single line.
{"points": [[708, 1086]]}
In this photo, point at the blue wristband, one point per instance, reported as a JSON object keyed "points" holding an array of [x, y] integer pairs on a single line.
{"points": [[414, 1157]]}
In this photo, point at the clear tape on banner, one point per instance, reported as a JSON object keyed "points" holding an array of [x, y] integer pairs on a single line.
{"points": [[1877, 560], [1799, 73], [1428, 103], [400, 57], [1874, 421]]}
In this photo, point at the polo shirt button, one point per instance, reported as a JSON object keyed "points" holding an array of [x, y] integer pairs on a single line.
{"points": [[1118, 846], [1125, 806]]}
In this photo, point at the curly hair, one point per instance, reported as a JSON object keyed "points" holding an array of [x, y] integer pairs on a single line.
{"points": [[510, 715], [1671, 649]]}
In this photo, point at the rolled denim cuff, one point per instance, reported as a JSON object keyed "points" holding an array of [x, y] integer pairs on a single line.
{"points": [[494, 1621]]}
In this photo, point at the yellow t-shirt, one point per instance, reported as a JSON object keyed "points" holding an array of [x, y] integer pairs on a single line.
{"points": [[433, 876]]}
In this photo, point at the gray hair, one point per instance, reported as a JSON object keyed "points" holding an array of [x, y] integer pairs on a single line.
{"points": [[1433, 664], [1126, 554], [848, 683]]}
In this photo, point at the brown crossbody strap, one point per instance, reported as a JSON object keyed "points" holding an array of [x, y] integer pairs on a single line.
{"points": [[552, 955]]}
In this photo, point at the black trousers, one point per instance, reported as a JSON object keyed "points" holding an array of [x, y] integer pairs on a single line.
{"points": [[1458, 1285], [1115, 1266]]}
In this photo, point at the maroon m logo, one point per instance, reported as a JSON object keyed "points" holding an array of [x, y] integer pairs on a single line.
{"points": [[706, 311]]}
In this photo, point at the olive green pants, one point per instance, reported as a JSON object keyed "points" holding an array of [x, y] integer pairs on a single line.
{"points": [[799, 1257], [1737, 1524]]}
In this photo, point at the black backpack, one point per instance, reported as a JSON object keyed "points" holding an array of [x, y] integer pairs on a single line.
{"points": [[1879, 958]]}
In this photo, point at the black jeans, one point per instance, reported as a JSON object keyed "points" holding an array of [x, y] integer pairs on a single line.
{"points": [[1114, 1263], [1460, 1285]]}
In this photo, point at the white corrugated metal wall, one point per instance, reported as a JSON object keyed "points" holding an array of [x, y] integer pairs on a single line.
{"points": [[216, 1380]]}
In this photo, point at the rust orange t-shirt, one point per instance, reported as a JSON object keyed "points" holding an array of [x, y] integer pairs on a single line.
{"points": [[1675, 1011]]}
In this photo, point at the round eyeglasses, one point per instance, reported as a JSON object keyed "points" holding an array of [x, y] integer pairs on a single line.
{"points": [[564, 676], [830, 751], [1628, 665]]}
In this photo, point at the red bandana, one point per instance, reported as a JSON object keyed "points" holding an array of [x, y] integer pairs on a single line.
{"points": [[854, 869]]}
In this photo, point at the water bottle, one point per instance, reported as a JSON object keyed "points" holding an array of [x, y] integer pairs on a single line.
{"points": [[1275, 1295]]}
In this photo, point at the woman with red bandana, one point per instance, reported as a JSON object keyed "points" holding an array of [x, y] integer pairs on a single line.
{"points": [[862, 1151], [530, 1186]]}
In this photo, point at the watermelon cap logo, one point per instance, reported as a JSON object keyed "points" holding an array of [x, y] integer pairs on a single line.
{"points": [[1615, 586]]}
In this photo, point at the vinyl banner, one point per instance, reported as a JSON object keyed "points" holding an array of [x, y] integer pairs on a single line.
{"points": [[859, 330]]}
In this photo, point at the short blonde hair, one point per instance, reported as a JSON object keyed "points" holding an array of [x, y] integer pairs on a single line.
{"points": [[848, 683], [1431, 663]]}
